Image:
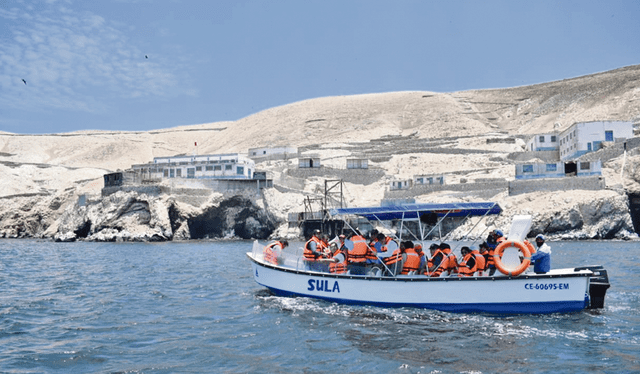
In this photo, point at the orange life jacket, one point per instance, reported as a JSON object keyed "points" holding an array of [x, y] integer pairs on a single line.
{"points": [[395, 257], [339, 267], [450, 263], [480, 261], [412, 263], [269, 254], [463, 269], [358, 255], [308, 253], [430, 263]]}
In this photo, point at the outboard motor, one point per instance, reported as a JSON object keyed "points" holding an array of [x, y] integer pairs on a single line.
{"points": [[598, 285]]}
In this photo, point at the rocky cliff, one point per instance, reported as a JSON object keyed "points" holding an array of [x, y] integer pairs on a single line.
{"points": [[51, 185]]}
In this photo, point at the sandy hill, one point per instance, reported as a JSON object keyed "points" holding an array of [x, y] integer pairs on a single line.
{"points": [[611, 95]]}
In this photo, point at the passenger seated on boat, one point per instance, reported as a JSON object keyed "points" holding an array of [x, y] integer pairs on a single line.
{"points": [[495, 237], [357, 257], [468, 266], [423, 258], [433, 264], [338, 260], [393, 263], [450, 262], [488, 257], [480, 261], [372, 256], [272, 252], [313, 251], [542, 258], [410, 259]]}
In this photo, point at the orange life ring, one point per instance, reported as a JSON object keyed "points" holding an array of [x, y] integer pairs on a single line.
{"points": [[532, 249], [523, 265]]}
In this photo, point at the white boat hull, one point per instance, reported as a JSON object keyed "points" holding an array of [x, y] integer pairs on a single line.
{"points": [[561, 291]]}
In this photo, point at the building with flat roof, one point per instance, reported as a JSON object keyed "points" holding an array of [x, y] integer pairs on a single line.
{"points": [[222, 166], [543, 142], [585, 137]]}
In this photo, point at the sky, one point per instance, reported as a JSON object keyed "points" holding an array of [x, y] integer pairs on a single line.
{"points": [[136, 65]]}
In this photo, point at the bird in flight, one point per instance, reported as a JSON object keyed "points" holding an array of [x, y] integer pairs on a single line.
{"points": [[145, 56], [24, 81]]}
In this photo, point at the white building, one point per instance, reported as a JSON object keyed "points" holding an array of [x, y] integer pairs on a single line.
{"points": [[267, 153], [586, 137], [543, 142], [223, 166], [420, 180], [558, 169]]}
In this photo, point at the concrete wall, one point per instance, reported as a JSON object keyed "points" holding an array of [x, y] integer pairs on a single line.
{"points": [[493, 188], [357, 176], [517, 187]]}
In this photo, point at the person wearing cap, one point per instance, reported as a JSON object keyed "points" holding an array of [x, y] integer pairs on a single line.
{"points": [[495, 237], [541, 260], [433, 264], [338, 260], [313, 251]]}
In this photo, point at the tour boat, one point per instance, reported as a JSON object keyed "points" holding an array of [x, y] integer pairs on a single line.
{"points": [[515, 289]]}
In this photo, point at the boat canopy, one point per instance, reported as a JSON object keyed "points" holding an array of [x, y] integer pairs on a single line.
{"points": [[417, 211]]}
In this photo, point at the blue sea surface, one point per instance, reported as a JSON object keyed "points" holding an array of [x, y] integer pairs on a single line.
{"points": [[193, 307]]}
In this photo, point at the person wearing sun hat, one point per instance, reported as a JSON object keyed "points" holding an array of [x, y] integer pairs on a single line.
{"points": [[541, 260]]}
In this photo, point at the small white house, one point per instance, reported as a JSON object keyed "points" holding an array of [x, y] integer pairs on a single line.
{"points": [[543, 142], [272, 153], [420, 180], [357, 163], [222, 166], [585, 137], [559, 169], [309, 162], [401, 184]]}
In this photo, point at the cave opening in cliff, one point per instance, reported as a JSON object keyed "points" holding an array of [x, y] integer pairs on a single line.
{"points": [[634, 210]]}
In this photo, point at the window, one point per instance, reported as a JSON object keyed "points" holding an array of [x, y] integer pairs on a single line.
{"points": [[585, 166], [178, 172], [553, 139], [227, 167], [217, 167], [240, 170], [172, 173], [527, 168], [589, 146], [198, 168], [264, 152], [166, 173], [552, 167], [608, 136], [209, 168], [420, 180], [541, 139], [191, 173]]}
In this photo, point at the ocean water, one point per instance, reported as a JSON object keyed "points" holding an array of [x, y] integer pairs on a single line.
{"points": [[193, 307]]}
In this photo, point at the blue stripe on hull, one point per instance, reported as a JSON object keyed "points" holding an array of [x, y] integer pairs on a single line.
{"points": [[493, 308]]}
